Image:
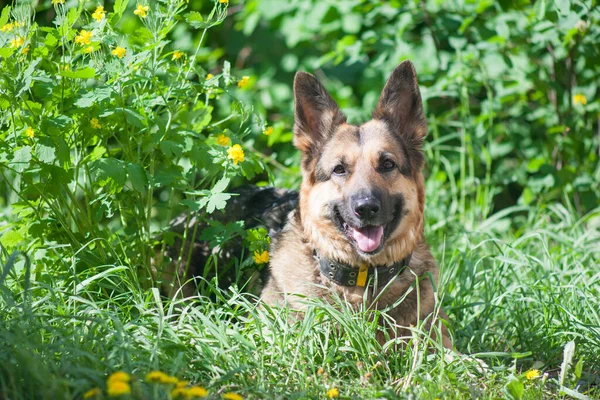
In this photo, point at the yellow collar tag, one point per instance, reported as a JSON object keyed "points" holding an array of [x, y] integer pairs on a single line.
{"points": [[363, 273]]}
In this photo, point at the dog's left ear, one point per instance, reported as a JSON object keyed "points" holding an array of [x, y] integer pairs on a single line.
{"points": [[400, 103]]}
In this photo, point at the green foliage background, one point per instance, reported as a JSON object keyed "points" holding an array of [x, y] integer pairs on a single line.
{"points": [[98, 153]]}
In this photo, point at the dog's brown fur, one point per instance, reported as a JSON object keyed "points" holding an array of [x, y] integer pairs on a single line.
{"points": [[326, 141]]}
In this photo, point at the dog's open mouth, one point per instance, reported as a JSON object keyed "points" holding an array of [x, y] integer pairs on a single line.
{"points": [[368, 239]]}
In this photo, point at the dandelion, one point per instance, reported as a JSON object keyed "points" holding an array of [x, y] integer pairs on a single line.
{"points": [[232, 396], [17, 42], [25, 50], [179, 393], [155, 376], [88, 49], [333, 393], [320, 371], [224, 1], [243, 84], [99, 13], [141, 11], [261, 258], [209, 76], [223, 140], [118, 388], [118, 376], [268, 131], [95, 123], [182, 384], [197, 391], [169, 380], [532, 374], [7, 27], [236, 153], [30, 132], [579, 99], [177, 55], [92, 393], [55, 2], [119, 52], [84, 37]]}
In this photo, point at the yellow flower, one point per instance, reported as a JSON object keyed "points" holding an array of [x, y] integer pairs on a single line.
{"points": [[224, 1], [17, 42], [119, 52], [333, 392], [30, 132], [7, 27], [236, 153], [58, 2], [209, 76], [579, 99], [95, 123], [232, 396], [88, 49], [141, 11], [243, 84], [320, 371], [182, 384], [223, 140], [197, 391], [268, 131], [261, 258], [25, 50], [118, 388], [177, 55], [155, 376], [91, 393], [84, 37], [169, 380], [118, 376], [179, 393], [98, 15], [532, 374]]}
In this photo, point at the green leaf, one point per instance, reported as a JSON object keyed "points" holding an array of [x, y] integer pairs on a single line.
{"points": [[138, 177], [21, 158], [45, 152], [221, 185], [195, 19], [84, 73], [11, 238], [217, 201], [515, 389], [110, 173], [5, 16]]}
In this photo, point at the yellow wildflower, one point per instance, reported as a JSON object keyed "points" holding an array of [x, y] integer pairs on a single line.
{"points": [[209, 76], [8, 27], [320, 371], [243, 84], [58, 2], [236, 153], [177, 55], [17, 42], [25, 50], [196, 391], [223, 140], [119, 52], [232, 396], [84, 37], [333, 392], [99, 13], [155, 376], [88, 49], [268, 131], [579, 99], [118, 388], [92, 393], [178, 393], [95, 123], [224, 1], [532, 374], [169, 380], [30, 132], [65, 67], [261, 258], [118, 376], [182, 384], [141, 11]]}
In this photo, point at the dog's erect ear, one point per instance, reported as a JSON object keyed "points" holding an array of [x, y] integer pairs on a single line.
{"points": [[400, 102], [316, 114]]}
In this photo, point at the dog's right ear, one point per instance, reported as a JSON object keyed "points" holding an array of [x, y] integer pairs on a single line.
{"points": [[316, 114]]}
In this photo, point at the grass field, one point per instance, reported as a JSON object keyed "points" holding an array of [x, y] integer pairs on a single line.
{"points": [[114, 119]]}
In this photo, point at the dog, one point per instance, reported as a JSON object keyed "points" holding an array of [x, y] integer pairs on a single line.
{"points": [[358, 228]]}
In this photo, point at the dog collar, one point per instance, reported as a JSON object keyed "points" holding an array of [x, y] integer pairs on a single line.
{"points": [[347, 275]]}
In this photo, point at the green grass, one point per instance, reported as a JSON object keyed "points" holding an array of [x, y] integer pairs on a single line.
{"points": [[514, 300]]}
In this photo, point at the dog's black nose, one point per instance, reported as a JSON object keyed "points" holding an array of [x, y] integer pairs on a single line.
{"points": [[366, 207]]}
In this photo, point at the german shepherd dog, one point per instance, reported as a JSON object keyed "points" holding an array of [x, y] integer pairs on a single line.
{"points": [[358, 226]]}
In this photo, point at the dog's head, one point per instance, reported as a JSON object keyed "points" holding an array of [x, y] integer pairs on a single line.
{"points": [[362, 194]]}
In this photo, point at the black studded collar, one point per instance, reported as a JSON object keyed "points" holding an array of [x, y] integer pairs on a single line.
{"points": [[347, 275]]}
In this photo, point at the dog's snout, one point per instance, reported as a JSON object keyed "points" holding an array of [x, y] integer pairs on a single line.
{"points": [[366, 207]]}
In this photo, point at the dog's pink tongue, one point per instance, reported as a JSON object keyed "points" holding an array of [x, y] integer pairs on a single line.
{"points": [[367, 238]]}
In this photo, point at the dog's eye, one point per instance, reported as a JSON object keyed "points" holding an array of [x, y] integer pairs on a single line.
{"points": [[339, 170], [388, 165]]}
